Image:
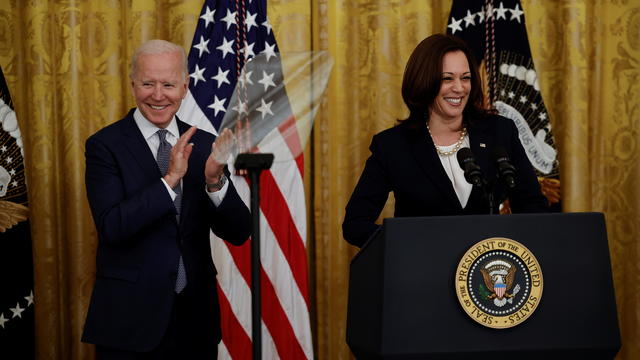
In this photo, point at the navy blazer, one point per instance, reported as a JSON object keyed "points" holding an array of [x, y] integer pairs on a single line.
{"points": [[404, 160], [140, 241]]}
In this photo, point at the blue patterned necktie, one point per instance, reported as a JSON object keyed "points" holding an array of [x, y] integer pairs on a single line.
{"points": [[164, 153]]}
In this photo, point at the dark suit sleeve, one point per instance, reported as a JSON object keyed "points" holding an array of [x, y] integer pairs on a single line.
{"points": [[526, 197], [368, 198], [119, 216], [231, 220]]}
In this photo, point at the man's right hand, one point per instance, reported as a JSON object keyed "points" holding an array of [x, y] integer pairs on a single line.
{"points": [[179, 161]]}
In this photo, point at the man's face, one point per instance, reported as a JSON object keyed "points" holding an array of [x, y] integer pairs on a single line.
{"points": [[159, 85]]}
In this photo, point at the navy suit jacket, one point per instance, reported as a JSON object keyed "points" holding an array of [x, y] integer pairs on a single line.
{"points": [[404, 160], [140, 241]]}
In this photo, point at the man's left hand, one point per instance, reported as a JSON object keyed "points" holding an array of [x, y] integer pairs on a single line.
{"points": [[220, 150]]}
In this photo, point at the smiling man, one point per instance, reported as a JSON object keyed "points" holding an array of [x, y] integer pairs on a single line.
{"points": [[159, 81], [156, 188]]}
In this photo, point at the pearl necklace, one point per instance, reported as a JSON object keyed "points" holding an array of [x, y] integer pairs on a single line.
{"points": [[456, 146]]}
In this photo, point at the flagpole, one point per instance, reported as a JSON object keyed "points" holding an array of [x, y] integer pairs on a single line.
{"points": [[254, 164]]}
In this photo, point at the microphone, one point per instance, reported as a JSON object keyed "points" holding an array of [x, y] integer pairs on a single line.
{"points": [[472, 172], [506, 170]]}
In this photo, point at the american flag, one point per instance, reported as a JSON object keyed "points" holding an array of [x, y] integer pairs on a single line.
{"points": [[229, 33]]}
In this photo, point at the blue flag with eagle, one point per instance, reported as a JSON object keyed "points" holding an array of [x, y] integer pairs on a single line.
{"points": [[16, 265], [496, 33]]}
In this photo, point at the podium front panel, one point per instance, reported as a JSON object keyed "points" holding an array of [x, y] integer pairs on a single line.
{"points": [[416, 260]]}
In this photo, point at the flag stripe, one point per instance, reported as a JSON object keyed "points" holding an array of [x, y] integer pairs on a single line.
{"points": [[213, 59], [290, 182], [289, 132], [232, 283], [275, 318], [278, 323], [238, 342], [235, 290], [285, 231], [223, 352], [240, 349], [295, 306]]}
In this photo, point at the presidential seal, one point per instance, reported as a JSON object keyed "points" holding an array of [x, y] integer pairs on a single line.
{"points": [[499, 283]]}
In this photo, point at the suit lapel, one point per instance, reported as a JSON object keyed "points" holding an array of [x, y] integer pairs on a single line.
{"points": [[140, 152], [139, 148], [190, 186], [424, 152]]}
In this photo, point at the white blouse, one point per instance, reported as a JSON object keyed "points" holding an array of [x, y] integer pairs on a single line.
{"points": [[455, 172]]}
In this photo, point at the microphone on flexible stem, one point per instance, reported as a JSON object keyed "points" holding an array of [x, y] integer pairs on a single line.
{"points": [[473, 175], [472, 172], [506, 170]]}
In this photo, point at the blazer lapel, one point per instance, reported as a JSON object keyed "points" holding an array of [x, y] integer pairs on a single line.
{"points": [[425, 154], [481, 145]]}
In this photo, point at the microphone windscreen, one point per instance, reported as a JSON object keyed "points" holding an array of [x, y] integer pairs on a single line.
{"points": [[500, 154], [506, 170], [464, 155]]}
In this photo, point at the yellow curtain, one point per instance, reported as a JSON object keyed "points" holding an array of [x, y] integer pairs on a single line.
{"points": [[66, 63], [370, 42]]}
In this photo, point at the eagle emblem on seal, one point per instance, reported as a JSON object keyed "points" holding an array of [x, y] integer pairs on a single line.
{"points": [[499, 276]]}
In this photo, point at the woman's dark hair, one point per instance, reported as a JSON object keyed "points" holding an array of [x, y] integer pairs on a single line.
{"points": [[423, 77]]}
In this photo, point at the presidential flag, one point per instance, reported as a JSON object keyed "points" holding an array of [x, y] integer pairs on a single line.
{"points": [[228, 35], [16, 265], [496, 32]]}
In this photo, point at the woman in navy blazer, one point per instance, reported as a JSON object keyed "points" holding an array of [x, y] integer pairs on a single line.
{"points": [[416, 159]]}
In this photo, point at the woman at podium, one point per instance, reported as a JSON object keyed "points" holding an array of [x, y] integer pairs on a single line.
{"points": [[418, 159]]}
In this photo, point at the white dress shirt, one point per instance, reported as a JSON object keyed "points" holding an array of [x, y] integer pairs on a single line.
{"points": [[149, 131]]}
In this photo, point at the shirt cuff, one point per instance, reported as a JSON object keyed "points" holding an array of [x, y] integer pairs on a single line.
{"points": [[218, 196], [170, 190]]}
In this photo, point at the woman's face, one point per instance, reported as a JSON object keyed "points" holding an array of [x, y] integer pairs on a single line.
{"points": [[454, 88]]}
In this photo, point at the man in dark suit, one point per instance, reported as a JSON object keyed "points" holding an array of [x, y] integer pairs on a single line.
{"points": [[156, 187]]}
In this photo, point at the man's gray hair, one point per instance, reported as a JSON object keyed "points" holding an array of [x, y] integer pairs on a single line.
{"points": [[158, 46]]}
